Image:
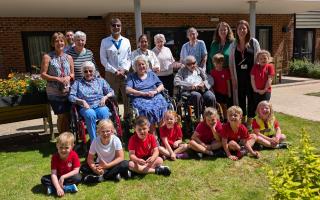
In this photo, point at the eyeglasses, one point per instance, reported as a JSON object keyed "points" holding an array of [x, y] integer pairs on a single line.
{"points": [[116, 25], [192, 63], [87, 71]]}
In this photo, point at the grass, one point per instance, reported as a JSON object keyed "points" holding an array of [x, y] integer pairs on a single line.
{"points": [[317, 94], [22, 167]]}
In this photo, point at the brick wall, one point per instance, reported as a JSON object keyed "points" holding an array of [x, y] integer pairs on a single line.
{"points": [[11, 48]]}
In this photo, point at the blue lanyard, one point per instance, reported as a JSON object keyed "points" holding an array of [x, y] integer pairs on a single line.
{"points": [[117, 44]]}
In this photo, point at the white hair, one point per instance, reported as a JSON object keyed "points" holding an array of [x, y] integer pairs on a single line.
{"points": [[140, 58], [88, 65], [159, 36], [189, 59], [79, 34]]}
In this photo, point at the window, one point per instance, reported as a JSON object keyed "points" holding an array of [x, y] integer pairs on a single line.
{"points": [[264, 36], [35, 44], [304, 44]]}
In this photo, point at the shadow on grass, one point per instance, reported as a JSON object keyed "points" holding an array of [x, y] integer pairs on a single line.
{"points": [[28, 142]]}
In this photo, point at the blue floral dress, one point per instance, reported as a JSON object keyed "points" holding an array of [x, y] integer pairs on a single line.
{"points": [[151, 107]]}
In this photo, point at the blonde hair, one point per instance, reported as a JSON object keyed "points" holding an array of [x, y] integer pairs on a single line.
{"points": [[65, 138], [234, 109], [209, 111], [174, 114], [141, 121], [103, 123], [261, 52], [218, 58], [271, 116]]}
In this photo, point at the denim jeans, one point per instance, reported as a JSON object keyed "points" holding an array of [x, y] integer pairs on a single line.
{"points": [[91, 115]]}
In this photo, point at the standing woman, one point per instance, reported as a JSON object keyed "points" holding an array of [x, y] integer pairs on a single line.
{"points": [[80, 54], [151, 57], [241, 60], [223, 37], [57, 68], [167, 62]]}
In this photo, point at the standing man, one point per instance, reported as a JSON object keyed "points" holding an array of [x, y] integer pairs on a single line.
{"points": [[115, 52], [70, 41]]}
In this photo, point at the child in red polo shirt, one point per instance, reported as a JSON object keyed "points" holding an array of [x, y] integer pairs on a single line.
{"points": [[267, 128], [235, 136], [261, 77], [206, 137], [65, 167], [221, 87], [144, 152], [171, 137]]}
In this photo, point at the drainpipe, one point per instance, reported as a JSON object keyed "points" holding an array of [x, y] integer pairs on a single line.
{"points": [[137, 19], [252, 22]]}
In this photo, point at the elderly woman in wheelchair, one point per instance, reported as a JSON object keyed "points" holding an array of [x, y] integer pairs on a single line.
{"points": [[144, 89], [90, 94], [193, 83]]}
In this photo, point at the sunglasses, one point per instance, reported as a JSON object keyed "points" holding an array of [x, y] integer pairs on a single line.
{"points": [[116, 25], [87, 71], [192, 63]]}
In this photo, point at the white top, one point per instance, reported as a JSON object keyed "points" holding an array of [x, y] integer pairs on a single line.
{"points": [[194, 78], [150, 55], [105, 152], [166, 59], [112, 58]]}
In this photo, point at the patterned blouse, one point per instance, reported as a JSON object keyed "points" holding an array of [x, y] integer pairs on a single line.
{"points": [[91, 91]]}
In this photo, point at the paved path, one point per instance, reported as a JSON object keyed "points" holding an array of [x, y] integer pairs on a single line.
{"points": [[288, 98]]}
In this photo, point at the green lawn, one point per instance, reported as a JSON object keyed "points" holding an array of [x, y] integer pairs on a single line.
{"points": [[317, 94], [22, 167]]}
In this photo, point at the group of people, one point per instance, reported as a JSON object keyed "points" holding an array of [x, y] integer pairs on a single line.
{"points": [[235, 72]]}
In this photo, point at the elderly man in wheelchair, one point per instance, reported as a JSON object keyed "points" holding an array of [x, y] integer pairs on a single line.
{"points": [[91, 93], [194, 87]]}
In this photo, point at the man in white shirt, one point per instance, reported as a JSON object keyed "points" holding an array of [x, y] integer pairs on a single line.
{"points": [[115, 52]]}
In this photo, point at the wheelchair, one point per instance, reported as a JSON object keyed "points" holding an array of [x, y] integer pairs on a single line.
{"points": [[78, 125], [187, 111], [134, 113]]}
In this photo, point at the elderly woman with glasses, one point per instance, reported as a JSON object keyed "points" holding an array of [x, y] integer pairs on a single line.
{"points": [[193, 82], [91, 93], [79, 53], [144, 88]]}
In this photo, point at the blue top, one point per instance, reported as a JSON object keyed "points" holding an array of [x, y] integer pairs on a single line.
{"points": [[90, 91], [59, 66], [199, 50], [150, 83]]}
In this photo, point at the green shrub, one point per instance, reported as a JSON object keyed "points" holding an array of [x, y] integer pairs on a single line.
{"points": [[298, 177], [304, 68]]}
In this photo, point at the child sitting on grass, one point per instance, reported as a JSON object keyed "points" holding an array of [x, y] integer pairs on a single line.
{"points": [[65, 166], [206, 137], [110, 163], [235, 136], [221, 87], [267, 128], [171, 137], [144, 152]]}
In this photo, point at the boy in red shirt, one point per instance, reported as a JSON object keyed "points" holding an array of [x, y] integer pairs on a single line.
{"points": [[221, 87], [235, 134], [261, 77], [65, 167], [144, 152], [206, 137]]}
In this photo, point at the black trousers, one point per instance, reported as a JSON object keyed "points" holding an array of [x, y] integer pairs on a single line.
{"points": [[167, 83], [258, 98], [109, 174], [76, 179], [246, 100]]}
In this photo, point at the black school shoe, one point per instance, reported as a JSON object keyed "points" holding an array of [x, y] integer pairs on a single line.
{"points": [[92, 179], [163, 170]]}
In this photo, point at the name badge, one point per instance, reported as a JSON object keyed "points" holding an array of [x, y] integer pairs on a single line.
{"points": [[245, 66]]}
